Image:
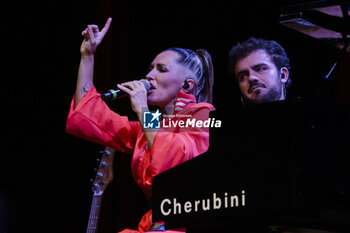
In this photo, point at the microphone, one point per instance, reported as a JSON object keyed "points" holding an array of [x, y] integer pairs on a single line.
{"points": [[114, 94]]}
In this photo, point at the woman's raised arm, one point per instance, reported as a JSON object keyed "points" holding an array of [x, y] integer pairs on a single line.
{"points": [[92, 39]]}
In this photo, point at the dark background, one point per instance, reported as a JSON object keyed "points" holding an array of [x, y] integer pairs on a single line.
{"points": [[45, 172]]}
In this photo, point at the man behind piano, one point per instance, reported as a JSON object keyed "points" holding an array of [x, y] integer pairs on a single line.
{"points": [[261, 69]]}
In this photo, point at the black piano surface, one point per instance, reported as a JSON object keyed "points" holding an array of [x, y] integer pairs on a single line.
{"points": [[278, 164]]}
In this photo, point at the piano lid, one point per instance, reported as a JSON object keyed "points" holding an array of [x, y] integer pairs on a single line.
{"points": [[326, 20]]}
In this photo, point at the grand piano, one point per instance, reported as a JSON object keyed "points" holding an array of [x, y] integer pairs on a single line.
{"points": [[270, 167]]}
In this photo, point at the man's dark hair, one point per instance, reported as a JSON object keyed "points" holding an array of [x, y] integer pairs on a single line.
{"points": [[244, 49]]}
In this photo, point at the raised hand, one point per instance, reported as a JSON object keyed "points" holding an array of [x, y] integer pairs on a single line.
{"points": [[93, 38]]}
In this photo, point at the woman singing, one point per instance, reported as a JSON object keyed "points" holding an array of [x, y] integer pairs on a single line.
{"points": [[181, 84]]}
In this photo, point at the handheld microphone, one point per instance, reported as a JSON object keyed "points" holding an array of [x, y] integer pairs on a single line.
{"points": [[113, 94]]}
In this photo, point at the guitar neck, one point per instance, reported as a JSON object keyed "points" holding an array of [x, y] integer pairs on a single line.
{"points": [[94, 213], [104, 175]]}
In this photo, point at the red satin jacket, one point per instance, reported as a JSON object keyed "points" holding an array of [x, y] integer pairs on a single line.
{"points": [[92, 120]]}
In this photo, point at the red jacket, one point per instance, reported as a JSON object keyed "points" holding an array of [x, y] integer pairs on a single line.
{"points": [[92, 120]]}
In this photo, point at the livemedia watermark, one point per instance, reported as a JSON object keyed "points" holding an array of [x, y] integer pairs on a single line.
{"points": [[190, 120]]}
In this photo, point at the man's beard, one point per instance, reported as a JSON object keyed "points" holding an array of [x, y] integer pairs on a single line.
{"points": [[270, 96]]}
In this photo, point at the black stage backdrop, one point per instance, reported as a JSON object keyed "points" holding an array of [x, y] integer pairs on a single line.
{"points": [[45, 172]]}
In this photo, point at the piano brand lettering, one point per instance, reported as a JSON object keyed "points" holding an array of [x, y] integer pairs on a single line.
{"points": [[168, 206], [192, 122]]}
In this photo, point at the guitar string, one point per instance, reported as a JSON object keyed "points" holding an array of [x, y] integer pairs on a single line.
{"points": [[94, 212]]}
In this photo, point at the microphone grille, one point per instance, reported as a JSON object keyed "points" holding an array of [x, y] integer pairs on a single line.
{"points": [[146, 84]]}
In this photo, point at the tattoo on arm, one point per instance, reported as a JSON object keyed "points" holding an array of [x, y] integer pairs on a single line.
{"points": [[85, 88]]}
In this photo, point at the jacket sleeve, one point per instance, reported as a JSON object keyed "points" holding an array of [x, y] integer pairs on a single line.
{"points": [[173, 148], [92, 120]]}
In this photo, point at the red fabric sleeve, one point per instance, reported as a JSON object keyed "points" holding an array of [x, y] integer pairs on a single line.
{"points": [[173, 148], [92, 120]]}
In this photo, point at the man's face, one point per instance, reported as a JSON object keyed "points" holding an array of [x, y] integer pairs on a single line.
{"points": [[259, 79]]}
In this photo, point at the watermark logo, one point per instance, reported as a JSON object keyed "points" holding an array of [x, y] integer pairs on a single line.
{"points": [[151, 119], [185, 121]]}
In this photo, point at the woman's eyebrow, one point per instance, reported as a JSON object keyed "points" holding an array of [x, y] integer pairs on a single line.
{"points": [[161, 64], [158, 65]]}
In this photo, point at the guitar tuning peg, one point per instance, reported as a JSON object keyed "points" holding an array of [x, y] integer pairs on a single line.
{"points": [[98, 160], [99, 175], [107, 152], [95, 186], [103, 164], [91, 181], [101, 152]]}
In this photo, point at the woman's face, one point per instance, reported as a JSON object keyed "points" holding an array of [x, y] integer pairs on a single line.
{"points": [[166, 77]]}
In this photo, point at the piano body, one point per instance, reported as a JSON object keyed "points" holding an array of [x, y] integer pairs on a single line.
{"points": [[273, 165]]}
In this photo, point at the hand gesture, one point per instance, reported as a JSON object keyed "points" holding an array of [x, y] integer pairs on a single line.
{"points": [[93, 38]]}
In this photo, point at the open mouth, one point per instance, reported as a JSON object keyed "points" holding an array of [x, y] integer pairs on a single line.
{"points": [[150, 90], [152, 87]]}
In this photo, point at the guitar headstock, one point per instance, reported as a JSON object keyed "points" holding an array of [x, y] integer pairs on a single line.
{"points": [[104, 173]]}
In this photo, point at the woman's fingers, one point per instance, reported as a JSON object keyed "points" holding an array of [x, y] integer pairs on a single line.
{"points": [[94, 28], [92, 31], [131, 87], [85, 33], [137, 93], [106, 27], [133, 84], [91, 35], [125, 89]]}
